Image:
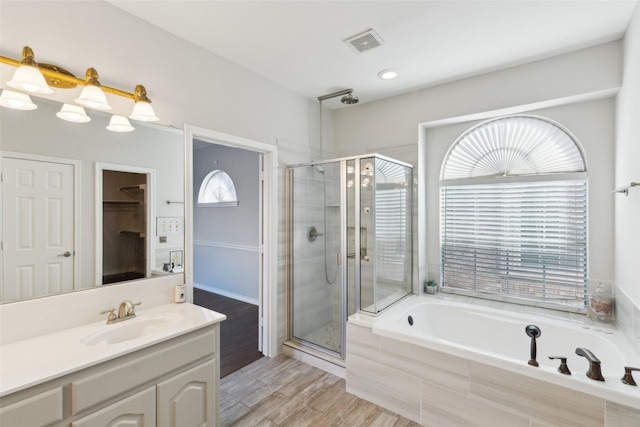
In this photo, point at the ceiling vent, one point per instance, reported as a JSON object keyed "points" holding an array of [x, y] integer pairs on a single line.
{"points": [[365, 41]]}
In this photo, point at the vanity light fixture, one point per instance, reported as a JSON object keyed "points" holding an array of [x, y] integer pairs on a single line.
{"points": [[39, 78], [73, 113], [28, 77], [16, 100], [388, 74], [120, 124]]}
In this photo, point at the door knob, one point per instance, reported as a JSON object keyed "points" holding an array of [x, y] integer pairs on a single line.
{"points": [[67, 254]]}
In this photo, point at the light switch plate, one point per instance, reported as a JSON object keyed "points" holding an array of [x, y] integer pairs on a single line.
{"points": [[169, 226]]}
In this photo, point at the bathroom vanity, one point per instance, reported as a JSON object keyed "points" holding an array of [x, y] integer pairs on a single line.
{"points": [[159, 369]]}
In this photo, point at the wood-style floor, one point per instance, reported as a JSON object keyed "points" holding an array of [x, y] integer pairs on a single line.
{"points": [[238, 334], [289, 393]]}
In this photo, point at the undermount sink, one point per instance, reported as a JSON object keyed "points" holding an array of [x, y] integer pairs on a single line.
{"points": [[138, 327]]}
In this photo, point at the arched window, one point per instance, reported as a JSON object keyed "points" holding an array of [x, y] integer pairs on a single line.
{"points": [[217, 189], [513, 199]]}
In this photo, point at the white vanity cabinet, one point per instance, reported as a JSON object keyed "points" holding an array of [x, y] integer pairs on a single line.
{"points": [[171, 383]]}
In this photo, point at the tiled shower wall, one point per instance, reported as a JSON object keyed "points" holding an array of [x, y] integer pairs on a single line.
{"points": [[627, 318]]}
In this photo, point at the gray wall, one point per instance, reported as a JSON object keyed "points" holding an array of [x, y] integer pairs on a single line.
{"points": [[226, 239]]}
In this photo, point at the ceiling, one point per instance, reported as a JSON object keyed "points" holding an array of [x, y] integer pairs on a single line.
{"points": [[299, 44]]}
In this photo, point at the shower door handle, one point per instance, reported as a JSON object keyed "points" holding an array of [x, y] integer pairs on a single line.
{"points": [[338, 259]]}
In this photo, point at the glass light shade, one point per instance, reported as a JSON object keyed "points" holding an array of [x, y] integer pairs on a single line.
{"points": [[29, 79], [120, 124], [16, 101], [143, 111], [73, 113], [93, 97]]}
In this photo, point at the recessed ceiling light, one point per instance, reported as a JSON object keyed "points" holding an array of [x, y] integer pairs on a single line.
{"points": [[388, 74]]}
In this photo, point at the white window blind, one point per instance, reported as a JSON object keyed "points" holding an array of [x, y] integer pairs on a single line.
{"points": [[391, 231], [517, 239]]}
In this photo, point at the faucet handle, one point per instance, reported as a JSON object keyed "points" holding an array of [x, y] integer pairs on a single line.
{"points": [[563, 368], [628, 378], [112, 314], [132, 310]]}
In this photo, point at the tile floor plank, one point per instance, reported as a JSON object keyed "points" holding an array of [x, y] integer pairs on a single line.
{"points": [[283, 392]]}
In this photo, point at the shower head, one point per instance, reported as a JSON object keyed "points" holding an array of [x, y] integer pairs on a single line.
{"points": [[319, 169], [349, 99]]}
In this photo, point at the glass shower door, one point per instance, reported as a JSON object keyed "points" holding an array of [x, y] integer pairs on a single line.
{"points": [[317, 284]]}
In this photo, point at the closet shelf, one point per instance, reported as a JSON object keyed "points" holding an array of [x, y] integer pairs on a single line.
{"points": [[122, 202], [140, 234], [133, 187]]}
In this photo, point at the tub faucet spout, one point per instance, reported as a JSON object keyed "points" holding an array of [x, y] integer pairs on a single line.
{"points": [[594, 364]]}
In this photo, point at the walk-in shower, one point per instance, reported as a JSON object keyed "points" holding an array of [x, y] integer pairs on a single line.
{"points": [[335, 271]]}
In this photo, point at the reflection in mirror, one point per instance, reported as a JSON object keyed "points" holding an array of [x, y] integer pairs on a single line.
{"points": [[52, 201]]}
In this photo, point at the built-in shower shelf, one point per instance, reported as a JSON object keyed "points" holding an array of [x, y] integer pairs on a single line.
{"points": [[140, 234]]}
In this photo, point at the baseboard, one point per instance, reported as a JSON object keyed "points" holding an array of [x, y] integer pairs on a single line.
{"points": [[227, 294]]}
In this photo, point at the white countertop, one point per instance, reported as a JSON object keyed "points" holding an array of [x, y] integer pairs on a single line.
{"points": [[34, 361]]}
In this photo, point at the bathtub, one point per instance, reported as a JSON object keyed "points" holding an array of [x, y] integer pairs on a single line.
{"points": [[497, 337]]}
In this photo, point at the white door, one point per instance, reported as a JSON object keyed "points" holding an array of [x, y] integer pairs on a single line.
{"points": [[38, 220]]}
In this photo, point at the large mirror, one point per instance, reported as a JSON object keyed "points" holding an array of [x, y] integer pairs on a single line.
{"points": [[112, 209]]}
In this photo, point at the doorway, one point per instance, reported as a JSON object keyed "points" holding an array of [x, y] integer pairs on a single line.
{"points": [[124, 224], [124, 208], [267, 224]]}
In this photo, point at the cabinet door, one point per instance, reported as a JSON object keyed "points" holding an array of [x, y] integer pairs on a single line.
{"points": [[188, 399], [138, 410]]}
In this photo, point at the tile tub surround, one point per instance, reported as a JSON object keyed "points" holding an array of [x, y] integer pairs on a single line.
{"points": [[627, 317], [436, 388]]}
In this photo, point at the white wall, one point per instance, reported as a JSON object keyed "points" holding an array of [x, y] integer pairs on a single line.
{"points": [[627, 169], [394, 121], [226, 239], [186, 84]]}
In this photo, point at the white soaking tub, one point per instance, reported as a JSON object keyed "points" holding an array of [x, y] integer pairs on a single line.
{"points": [[497, 337]]}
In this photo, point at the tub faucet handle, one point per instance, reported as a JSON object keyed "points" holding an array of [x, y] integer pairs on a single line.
{"points": [[628, 378], [563, 368], [594, 364]]}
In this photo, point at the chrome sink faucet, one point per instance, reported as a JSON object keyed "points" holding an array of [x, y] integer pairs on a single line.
{"points": [[126, 310]]}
